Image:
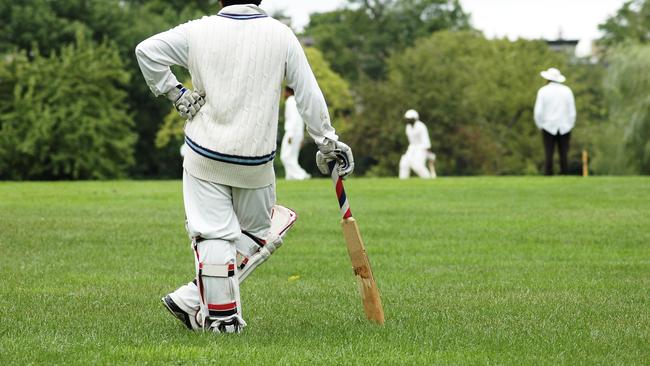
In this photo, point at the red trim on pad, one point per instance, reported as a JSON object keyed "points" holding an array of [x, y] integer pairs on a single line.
{"points": [[228, 306]]}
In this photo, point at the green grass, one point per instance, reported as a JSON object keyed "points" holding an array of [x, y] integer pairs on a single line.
{"points": [[472, 271]]}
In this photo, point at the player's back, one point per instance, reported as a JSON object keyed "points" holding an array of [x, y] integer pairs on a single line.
{"points": [[238, 60], [556, 100]]}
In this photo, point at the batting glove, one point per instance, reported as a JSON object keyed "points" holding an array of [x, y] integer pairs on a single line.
{"points": [[187, 102], [337, 151]]}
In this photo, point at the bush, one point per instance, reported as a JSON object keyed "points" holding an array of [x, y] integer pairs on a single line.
{"points": [[64, 116]]}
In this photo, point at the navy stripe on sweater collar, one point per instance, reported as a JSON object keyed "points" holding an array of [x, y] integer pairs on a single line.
{"points": [[242, 12], [242, 16]]}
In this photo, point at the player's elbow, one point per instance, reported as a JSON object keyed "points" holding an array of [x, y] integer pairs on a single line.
{"points": [[141, 49]]}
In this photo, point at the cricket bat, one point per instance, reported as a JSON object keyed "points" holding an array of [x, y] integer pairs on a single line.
{"points": [[357, 251]]}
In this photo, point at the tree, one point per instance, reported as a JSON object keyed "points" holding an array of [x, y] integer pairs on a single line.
{"points": [[630, 24], [622, 143], [357, 40], [63, 116], [626, 84]]}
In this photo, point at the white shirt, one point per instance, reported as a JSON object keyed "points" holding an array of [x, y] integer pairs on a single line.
{"points": [[555, 109], [294, 126], [418, 136], [239, 58]]}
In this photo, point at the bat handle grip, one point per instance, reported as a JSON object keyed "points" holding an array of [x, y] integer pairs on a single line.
{"points": [[344, 204]]}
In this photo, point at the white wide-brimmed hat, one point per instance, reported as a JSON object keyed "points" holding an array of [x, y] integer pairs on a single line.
{"points": [[412, 114], [553, 74]]}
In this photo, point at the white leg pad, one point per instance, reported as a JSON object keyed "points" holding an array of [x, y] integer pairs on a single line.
{"points": [[282, 219], [217, 281], [404, 167]]}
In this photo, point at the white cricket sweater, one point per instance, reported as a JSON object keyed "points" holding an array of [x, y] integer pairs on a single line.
{"points": [[239, 58]]}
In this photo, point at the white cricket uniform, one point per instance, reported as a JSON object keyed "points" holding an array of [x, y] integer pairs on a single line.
{"points": [[416, 155], [239, 59], [555, 109], [294, 133]]}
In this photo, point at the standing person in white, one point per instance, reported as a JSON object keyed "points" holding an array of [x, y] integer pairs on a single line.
{"points": [[555, 116], [238, 59], [416, 154], [294, 132]]}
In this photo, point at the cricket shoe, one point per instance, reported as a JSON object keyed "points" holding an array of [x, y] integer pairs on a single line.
{"points": [[188, 320]]}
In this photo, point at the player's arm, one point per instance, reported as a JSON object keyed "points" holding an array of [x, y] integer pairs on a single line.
{"points": [[155, 56], [313, 109], [426, 141]]}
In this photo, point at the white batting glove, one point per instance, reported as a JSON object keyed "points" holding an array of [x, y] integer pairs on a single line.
{"points": [[337, 151], [187, 102]]}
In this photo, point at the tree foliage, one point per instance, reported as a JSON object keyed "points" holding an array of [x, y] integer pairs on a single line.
{"points": [[630, 24], [623, 143], [626, 85], [63, 116], [358, 39]]}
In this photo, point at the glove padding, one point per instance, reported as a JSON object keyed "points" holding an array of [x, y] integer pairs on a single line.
{"points": [[337, 151], [187, 103]]}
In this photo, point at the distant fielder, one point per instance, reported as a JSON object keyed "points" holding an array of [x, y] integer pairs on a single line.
{"points": [[238, 60], [294, 132], [419, 150]]}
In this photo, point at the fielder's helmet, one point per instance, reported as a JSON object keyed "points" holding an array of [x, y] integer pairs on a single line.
{"points": [[412, 114]]}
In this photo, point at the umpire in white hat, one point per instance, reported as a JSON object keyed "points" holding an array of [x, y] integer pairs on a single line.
{"points": [[555, 116]]}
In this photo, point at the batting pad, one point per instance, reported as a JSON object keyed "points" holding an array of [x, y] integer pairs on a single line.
{"points": [[282, 219]]}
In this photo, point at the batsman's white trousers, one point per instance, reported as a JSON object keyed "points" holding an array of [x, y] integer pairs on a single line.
{"points": [[414, 159], [289, 154], [217, 215]]}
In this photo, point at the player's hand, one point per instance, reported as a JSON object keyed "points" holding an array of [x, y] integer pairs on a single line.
{"points": [[337, 151], [187, 102]]}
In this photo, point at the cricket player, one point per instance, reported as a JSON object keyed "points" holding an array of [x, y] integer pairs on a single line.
{"points": [[238, 60], [418, 151], [555, 116], [294, 133]]}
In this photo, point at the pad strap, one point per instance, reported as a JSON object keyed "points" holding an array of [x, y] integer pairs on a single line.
{"points": [[217, 270], [261, 243]]}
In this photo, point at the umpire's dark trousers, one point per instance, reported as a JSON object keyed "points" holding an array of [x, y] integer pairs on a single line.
{"points": [[562, 142]]}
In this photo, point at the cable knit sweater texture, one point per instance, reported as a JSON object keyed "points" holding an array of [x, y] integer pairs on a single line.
{"points": [[239, 58]]}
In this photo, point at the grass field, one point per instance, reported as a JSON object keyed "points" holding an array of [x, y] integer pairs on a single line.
{"points": [[472, 271]]}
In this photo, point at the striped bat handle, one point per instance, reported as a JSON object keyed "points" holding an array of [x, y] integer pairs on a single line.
{"points": [[344, 204]]}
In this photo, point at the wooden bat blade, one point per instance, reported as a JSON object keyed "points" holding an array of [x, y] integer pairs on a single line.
{"points": [[362, 271]]}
